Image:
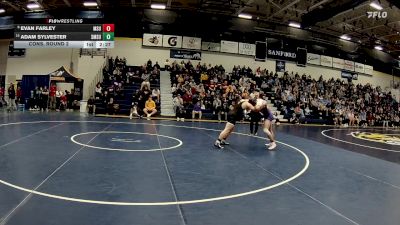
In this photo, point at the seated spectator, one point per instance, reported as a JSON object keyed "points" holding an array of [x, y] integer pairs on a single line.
{"points": [[150, 108], [155, 93], [197, 110], [91, 106], [136, 98], [63, 102]]}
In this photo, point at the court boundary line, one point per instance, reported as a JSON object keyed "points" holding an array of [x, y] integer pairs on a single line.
{"points": [[29, 196], [298, 174], [353, 143], [371, 177], [180, 210]]}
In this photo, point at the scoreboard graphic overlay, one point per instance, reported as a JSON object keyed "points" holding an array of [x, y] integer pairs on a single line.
{"points": [[58, 33]]}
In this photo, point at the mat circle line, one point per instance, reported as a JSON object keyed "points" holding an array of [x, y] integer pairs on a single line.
{"points": [[352, 143], [125, 150], [79, 200]]}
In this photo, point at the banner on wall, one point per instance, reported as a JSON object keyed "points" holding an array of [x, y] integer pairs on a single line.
{"points": [[230, 47], [152, 40], [313, 59], [191, 42], [211, 46], [368, 69], [349, 75], [185, 54], [338, 63], [359, 67], [247, 49], [283, 54], [326, 61], [172, 41], [349, 65], [280, 66]]}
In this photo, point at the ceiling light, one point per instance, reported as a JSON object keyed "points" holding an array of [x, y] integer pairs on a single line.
{"points": [[2, 10], [33, 5], [158, 6], [378, 48], [345, 37], [376, 5], [295, 24], [245, 16], [90, 4]]}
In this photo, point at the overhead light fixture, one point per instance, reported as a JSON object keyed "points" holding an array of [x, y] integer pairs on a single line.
{"points": [[378, 48], [33, 5], [376, 5], [345, 37], [90, 4], [2, 10], [158, 6], [295, 24], [245, 16]]}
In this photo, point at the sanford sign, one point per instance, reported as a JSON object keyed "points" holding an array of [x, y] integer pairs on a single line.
{"points": [[289, 55]]}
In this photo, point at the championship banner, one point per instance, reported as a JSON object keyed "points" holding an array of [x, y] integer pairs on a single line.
{"points": [[247, 49], [191, 43], [349, 65], [280, 66], [359, 67], [313, 59], [185, 54], [152, 40], [368, 69], [283, 54], [230, 47], [172, 41], [211, 46], [326, 61], [338, 63]]}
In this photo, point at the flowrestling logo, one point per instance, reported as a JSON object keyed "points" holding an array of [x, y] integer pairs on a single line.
{"points": [[377, 14]]}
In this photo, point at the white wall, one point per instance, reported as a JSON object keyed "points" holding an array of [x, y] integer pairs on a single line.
{"points": [[132, 49], [39, 62], [88, 68]]}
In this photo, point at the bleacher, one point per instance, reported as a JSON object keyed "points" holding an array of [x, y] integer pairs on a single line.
{"points": [[125, 100]]}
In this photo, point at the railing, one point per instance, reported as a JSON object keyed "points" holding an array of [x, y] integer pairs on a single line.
{"points": [[98, 78]]}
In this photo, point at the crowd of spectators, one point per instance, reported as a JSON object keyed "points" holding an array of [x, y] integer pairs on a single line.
{"points": [[337, 101], [117, 75], [201, 88]]}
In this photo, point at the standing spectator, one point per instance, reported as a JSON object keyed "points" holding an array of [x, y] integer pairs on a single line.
{"points": [[217, 105], [150, 108], [11, 98], [53, 101], [43, 98], [179, 108], [19, 95], [59, 93], [91, 106]]}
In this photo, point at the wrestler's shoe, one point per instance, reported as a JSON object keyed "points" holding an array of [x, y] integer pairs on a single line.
{"points": [[223, 142], [217, 144], [272, 146]]}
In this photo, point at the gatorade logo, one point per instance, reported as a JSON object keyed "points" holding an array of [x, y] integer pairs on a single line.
{"points": [[172, 41]]}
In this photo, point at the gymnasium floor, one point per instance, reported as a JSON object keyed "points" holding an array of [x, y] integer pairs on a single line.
{"points": [[64, 168]]}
